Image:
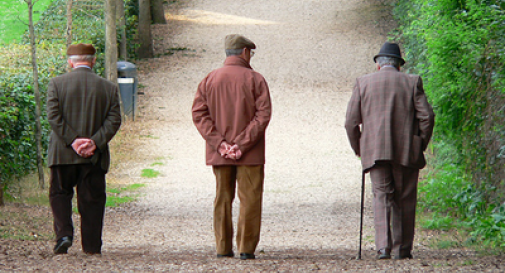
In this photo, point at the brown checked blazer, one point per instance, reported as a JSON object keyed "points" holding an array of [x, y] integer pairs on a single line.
{"points": [[81, 104], [389, 118]]}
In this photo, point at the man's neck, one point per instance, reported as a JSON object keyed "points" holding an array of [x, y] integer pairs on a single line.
{"points": [[392, 66]]}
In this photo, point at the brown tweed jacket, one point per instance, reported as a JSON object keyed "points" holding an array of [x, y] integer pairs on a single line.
{"points": [[389, 118], [81, 104]]}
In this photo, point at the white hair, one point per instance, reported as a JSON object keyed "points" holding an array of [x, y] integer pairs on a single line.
{"points": [[81, 58], [233, 52], [383, 60]]}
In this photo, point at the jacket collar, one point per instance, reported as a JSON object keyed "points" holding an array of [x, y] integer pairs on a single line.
{"points": [[236, 60], [82, 69]]}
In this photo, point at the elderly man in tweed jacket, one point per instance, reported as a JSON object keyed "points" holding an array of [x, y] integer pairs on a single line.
{"points": [[389, 123], [84, 113], [231, 110]]}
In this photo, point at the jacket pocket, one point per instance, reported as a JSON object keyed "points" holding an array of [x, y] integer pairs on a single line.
{"points": [[417, 159]]}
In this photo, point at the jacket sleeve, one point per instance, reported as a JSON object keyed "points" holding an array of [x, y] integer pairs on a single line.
{"points": [[256, 128], [202, 119], [55, 117], [424, 114], [111, 124], [353, 119]]}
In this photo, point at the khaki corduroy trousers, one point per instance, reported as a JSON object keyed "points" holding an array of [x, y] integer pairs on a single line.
{"points": [[248, 180]]}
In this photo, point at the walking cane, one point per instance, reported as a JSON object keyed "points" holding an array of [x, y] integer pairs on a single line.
{"points": [[362, 207]]}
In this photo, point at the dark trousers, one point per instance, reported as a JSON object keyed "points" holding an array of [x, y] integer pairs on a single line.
{"points": [[395, 198], [89, 181]]}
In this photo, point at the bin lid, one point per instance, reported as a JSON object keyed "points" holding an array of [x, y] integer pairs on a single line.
{"points": [[125, 66]]}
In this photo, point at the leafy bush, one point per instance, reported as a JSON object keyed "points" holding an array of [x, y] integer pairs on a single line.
{"points": [[459, 49], [17, 105], [17, 109]]}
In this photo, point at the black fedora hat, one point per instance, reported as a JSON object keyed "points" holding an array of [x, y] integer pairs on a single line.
{"points": [[390, 50]]}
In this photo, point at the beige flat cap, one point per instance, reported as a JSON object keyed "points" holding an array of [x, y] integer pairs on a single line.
{"points": [[81, 49], [236, 41]]}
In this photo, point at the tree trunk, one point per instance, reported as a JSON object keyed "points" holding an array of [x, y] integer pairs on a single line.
{"points": [[157, 12], [120, 16], [69, 27], [146, 42], [1, 195], [110, 41], [38, 133]]}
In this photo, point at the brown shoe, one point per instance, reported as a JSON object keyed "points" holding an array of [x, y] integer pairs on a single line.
{"points": [[384, 254]]}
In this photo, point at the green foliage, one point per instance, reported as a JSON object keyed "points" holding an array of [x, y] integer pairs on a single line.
{"points": [[116, 196], [18, 151], [17, 134], [14, 14], [88, 26], [458, 47], [439, 222], [17, 106], [115, 201], [150, 173], [132, 22], [455, 201]]}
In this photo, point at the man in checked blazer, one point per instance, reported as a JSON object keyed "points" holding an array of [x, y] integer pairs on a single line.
{"points": [[389, 123], [84, 113]]}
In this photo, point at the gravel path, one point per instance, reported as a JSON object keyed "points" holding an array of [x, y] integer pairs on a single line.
{"points": [[310, 52]]}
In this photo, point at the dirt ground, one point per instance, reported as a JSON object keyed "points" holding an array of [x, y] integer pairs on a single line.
{"points": [[310, 53]]}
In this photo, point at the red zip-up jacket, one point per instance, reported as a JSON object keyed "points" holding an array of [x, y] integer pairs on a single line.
{"points": [[233, 104]]}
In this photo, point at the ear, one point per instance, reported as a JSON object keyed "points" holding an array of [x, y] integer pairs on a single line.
{"points": [[70, 63], [378, 66]]}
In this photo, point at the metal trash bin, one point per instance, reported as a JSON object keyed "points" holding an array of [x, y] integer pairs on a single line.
{"points": [[128, 82]]}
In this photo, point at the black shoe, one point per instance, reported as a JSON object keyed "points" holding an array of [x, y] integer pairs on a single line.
{"points": [[229, 255], [383, 254], [403, 256], [62, 245], [247, 256]]}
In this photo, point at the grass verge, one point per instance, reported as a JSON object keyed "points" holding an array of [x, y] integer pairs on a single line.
{"points": [[14, 14]]}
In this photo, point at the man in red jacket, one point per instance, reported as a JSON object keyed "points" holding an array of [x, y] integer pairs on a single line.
{"points": [[231, 110], [389, 123]]}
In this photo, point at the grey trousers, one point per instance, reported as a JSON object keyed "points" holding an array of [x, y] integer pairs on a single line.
{"points": [[395, 197]]}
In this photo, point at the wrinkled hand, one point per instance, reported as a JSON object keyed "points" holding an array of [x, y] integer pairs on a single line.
{"points": [[224, 148], [235, 153], [84, 147], [228, 151]]}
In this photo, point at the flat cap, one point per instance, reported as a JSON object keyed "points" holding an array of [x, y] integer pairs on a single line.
{"points": [[236, 41], [81, 49]]}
